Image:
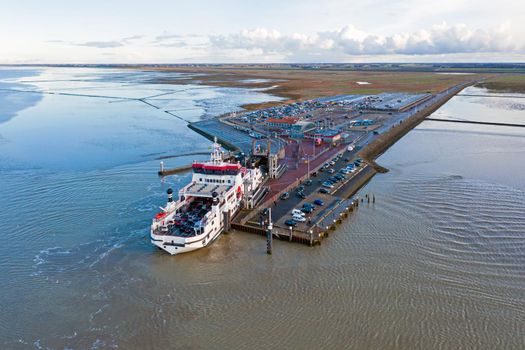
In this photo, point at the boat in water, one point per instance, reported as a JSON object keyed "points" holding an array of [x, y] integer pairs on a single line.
{"points": [[205, 206]]}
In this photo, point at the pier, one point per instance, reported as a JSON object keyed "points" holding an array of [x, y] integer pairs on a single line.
{"points": [[306, 172], [490, 95], [173, 171], [476, 122]]}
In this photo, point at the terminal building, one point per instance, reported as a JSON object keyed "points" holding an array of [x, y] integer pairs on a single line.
{"points": [[281, 123], [330, 136], [293, 127]]}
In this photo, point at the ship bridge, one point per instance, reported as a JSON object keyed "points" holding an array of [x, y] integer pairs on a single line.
{"points": [[216, 169]]}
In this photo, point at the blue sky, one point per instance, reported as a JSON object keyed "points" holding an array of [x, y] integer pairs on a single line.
{"points": [[158, 31]]}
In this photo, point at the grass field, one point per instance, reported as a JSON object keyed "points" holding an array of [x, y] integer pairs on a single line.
{"points": [[300, 84], [505, 83]]}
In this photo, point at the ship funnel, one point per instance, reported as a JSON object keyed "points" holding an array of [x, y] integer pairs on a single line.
{"points": [[170, 195]]}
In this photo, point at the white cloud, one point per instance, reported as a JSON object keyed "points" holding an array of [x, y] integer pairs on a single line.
{"points": [[438, 40], [101, 44]]}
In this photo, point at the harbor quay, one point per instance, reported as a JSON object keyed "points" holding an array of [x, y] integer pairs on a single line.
{"points": [[315, 158]]}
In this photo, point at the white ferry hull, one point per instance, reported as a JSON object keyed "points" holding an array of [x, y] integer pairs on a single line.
{"points": [[205, 206], [174, 246]]}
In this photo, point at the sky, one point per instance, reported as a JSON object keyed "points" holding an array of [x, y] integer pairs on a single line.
{"points": [[263, 31]]}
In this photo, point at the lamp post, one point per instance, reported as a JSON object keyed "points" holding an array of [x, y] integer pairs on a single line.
{"points": [[269, 233], [308, 163]]}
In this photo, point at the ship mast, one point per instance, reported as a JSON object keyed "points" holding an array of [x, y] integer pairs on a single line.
{"points": [[216, 155]]}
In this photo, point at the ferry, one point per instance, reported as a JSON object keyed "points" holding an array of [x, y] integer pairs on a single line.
{"points": [[205, 206]]}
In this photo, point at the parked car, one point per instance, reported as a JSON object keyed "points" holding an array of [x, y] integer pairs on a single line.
{"points": [[308, 182], [297, 212], [307, 210], [328, 184], [308, 205], [301, 195], [314, 174], [300, 189], [285, 195], [331, 171], [323, 190], [318, 202], [290, 222], [299, 218]]}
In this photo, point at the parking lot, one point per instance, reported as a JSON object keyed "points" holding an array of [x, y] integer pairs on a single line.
{"points": [[282, 209]]}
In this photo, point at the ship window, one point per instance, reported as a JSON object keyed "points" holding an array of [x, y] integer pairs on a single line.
{"points": [[200, 179], [229, 181]]}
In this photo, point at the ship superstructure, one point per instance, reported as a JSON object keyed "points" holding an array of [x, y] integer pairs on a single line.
{"points": [[206, 205]]}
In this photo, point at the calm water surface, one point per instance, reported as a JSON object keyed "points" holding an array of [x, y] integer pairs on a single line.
{"points": [[437, 263]]}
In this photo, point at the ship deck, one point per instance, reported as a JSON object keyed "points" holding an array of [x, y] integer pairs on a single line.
{"points": [[205, 190], [183, 224]]}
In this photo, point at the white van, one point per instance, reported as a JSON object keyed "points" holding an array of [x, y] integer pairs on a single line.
{"points": [[299, 218], [297, 212]]}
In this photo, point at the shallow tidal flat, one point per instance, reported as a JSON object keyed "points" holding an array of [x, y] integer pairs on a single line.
{"points": [[436, 263]]}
